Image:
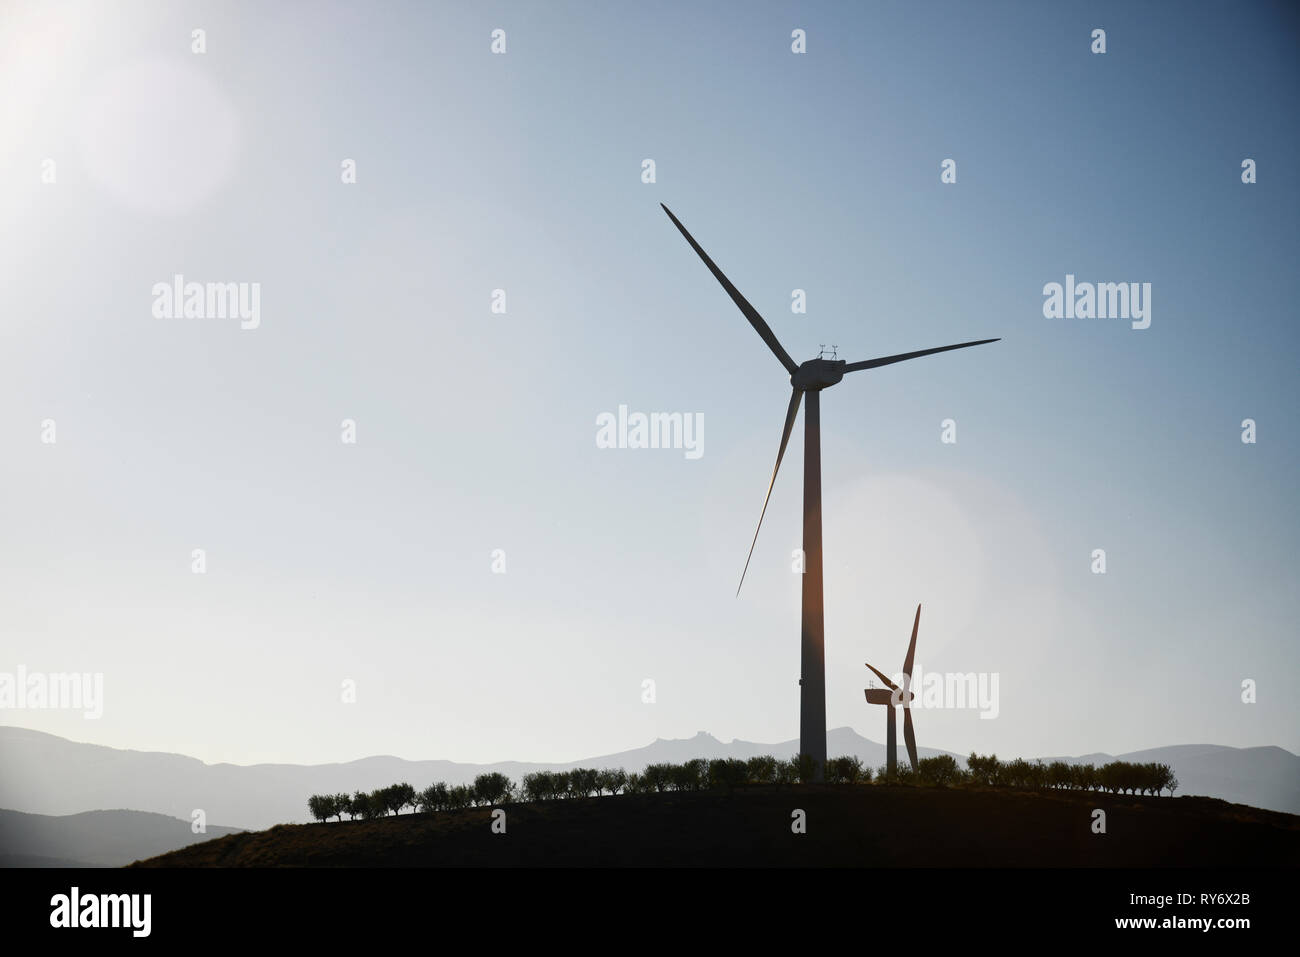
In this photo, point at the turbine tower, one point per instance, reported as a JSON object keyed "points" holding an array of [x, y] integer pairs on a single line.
{"points": [[898, 697], [807, 378]]}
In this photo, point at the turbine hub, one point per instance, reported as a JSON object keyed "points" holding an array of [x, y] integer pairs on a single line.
{"points": [[817, 374]]}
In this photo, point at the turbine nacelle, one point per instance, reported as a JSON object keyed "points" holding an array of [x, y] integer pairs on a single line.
{"points": [[886, 697], [817, 374]]}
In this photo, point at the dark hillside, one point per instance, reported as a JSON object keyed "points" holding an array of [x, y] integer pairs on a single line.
{"points": [[846, 826]]}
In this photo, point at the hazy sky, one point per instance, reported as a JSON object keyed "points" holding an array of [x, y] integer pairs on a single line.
{"points": [[372, 562]]}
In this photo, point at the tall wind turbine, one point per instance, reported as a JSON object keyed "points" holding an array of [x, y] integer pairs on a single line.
{"points": [[806, 378], [891, 696]]}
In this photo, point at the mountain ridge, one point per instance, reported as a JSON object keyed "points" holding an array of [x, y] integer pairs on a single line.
{"points": [[50, 775]]}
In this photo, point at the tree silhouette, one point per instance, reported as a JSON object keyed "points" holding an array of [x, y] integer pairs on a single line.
{"points": [[537, 786], [342, 805], [612, 780], [984, 770], [657, 776], [940, 770], [728, 773], [844, 770], [433, 798], [320, 806], [762, 769], [397, 796], [583, 781], [491, 788]]}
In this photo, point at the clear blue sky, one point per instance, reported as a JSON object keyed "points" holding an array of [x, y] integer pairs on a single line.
{"points": [[476, 431]]}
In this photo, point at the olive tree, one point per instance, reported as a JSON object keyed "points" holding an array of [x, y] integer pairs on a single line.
{"points": [[657, 777], [433, 798], [844, 770], [612, 780], [321, 806], [940, 770], [582, 782], [762, 769], [491, 788]]}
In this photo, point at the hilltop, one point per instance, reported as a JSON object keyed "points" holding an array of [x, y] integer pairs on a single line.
{"points": [[846, 826], [93, 838]]}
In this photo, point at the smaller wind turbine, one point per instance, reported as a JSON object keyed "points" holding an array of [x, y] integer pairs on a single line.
{"points": [[892, 696]]}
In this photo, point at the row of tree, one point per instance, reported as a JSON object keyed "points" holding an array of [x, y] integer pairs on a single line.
{"points": [[731, 773], [494, 788], [1116, 777], [698, 774]]}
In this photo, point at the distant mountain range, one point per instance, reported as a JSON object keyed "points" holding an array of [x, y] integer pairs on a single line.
{"points": [[45, 774], [93, 838]]}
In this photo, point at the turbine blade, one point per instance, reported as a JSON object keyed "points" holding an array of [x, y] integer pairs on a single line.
{"points": [[889, 360], [911, 648], [909, 735], [881, 675], [755, 320], [795, 398]]}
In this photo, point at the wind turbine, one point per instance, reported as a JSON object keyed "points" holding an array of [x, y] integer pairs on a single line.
{"points": [[893, 696], [806, 378]]}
